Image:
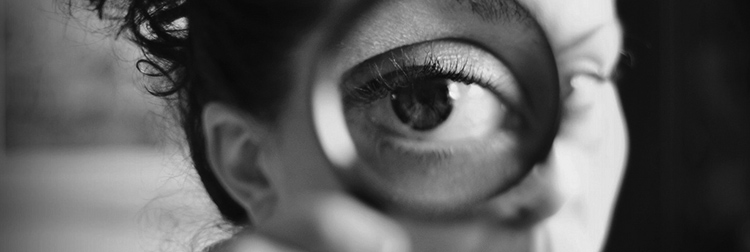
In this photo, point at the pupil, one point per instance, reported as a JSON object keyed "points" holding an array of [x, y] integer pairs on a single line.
{"points": [[423, 106]]}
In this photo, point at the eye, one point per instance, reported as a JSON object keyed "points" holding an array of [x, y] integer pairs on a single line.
{"points": [[428, 107], [435, 124], [431, 109]]}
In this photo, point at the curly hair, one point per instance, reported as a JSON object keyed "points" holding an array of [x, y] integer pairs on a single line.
{"points": [[232, 51]]}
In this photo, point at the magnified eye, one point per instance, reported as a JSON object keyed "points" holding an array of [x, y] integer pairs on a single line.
{"points": [[436, 125], [433, 108]]}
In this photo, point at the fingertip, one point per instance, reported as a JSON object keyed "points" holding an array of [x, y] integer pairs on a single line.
{"points": [[251, 243], [351, 226], [337, 223], [398, 243]]}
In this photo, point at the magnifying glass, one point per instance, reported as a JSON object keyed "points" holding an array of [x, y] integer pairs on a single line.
{"points": [[435, 128]]}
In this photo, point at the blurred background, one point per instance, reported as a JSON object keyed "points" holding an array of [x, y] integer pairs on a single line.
{"points": [[685, 89], [89, 162]]}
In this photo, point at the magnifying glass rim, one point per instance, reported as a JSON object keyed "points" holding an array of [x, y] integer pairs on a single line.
{"points": [[328, 112]]}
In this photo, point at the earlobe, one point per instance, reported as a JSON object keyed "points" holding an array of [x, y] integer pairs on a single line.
{"points": [[234, 141]]}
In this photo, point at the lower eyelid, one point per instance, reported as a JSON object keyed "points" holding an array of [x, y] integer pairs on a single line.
{"points": [[428, 157], [445, 150]]}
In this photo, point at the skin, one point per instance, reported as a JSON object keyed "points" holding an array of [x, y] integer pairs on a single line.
{"points": [[283, 179]]}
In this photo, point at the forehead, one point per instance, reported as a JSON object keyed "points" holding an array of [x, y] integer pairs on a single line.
{"points": [[584, 34], [565, 20]]}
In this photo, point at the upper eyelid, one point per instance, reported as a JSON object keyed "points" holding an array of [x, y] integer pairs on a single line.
{"points": [[408, 67], [396, 60], [430, 65], [383, 83], [488, 69]]}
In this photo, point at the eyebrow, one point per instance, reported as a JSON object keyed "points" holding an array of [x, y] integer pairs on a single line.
{"points": [[497, 10]]}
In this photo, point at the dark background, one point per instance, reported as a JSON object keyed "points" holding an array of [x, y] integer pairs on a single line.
{"points": [[685, 93]]}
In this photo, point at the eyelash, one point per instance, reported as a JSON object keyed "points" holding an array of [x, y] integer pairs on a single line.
{"points": [[407, 72]]}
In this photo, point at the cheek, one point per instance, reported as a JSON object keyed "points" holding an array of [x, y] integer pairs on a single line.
{"points": [[576, 187], [566, 201]]}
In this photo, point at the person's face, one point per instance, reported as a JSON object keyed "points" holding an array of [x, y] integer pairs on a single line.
{"points": [[449, 103]]}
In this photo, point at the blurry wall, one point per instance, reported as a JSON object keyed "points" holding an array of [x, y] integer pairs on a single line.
{"points": [[69, 85], [84, 164]]}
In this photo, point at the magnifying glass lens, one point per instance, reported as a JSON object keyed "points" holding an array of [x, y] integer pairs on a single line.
{"points": [[435, 128], [412, 138]]}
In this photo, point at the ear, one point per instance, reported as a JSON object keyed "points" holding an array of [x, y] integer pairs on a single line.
{"points": [[234, 144]]}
